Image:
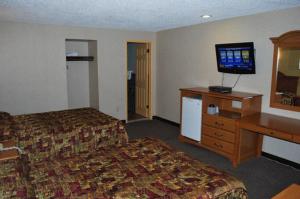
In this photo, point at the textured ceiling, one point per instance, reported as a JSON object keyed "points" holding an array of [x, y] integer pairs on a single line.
{"points": [[151, 15]]}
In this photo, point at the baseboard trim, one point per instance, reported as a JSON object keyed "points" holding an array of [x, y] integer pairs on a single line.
{"points": [[281, 160], [167, 121]]}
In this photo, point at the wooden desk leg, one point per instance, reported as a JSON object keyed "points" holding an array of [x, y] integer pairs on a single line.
{"points": [[259, 145]]}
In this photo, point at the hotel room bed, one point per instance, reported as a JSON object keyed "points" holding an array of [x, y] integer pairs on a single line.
{"points": [[144, 168], [63, 133]]}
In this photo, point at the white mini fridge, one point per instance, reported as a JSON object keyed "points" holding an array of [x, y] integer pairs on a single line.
{"points": [[191, 118]]}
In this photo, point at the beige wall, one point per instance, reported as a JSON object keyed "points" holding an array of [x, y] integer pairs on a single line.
{"points": [[186, 58], [33, 66]]}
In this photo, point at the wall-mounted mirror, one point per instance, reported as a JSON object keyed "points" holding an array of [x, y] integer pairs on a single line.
{"points": [[285, 92]]}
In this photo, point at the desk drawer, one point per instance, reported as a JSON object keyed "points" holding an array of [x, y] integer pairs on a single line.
{"points": [[219, 134], [280, 135], [219, 122], [275, 134], [217, 144]]}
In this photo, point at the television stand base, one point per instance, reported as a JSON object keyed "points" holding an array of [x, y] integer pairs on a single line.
{"points": [[220, 89]]}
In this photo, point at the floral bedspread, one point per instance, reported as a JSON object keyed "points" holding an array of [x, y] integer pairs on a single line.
{"points": [[145, 168], [65, 133], [12, 181]]}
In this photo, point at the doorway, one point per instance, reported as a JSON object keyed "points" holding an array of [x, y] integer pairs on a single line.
{"points": [[138, 80]]}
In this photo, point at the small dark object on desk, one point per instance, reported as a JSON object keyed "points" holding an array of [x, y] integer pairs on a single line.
{"points": [[220, 89]]}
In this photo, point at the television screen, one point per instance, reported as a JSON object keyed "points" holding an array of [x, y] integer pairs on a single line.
{"points": [[236, 58]]}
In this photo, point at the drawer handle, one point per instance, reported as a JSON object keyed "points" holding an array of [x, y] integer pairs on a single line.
{"points": [[218, 145], [218, 134], [219, 124]]}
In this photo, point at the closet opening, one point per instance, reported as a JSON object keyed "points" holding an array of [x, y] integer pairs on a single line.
{"points": [[82, 73]]}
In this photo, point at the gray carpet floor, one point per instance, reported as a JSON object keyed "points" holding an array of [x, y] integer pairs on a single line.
{"points": [[262, 177]]}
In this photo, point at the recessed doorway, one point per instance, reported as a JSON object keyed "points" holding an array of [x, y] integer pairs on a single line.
{"points": [[138, 81]]}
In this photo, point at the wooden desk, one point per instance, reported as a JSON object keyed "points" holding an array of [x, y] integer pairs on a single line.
{"points": [[237, 133], [220, 132], [271, 125], [292, 192]]}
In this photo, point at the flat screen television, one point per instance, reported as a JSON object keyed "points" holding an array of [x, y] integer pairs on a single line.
{"points": [[237, 58]]}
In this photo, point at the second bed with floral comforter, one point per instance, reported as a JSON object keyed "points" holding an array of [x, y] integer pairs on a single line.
{"points": [[144, 168]]}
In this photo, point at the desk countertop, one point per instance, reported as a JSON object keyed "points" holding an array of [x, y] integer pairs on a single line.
{"points": [[233, 94], [273, 122]]}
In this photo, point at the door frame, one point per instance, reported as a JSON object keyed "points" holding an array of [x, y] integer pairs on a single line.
{"points": [[149, 77]]}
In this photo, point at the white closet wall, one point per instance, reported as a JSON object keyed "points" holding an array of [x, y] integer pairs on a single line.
{"points": [[93, 75]]}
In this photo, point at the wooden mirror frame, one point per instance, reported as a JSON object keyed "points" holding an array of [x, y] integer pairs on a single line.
{"points": [[287, 40]]}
